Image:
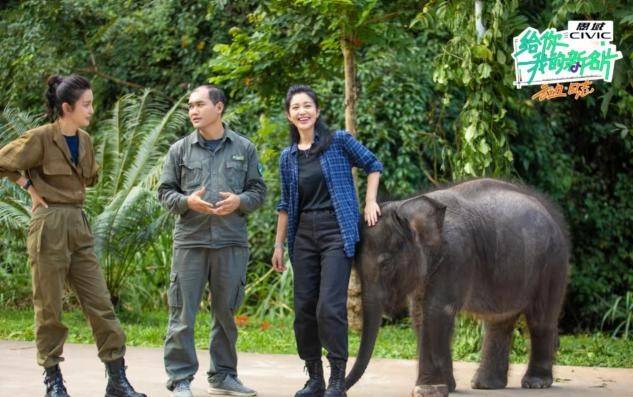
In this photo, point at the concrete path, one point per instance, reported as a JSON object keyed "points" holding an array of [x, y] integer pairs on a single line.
{"points": [[281, 375]]}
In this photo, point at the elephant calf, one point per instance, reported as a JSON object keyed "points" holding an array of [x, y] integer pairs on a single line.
{"points": [[487, 247]]}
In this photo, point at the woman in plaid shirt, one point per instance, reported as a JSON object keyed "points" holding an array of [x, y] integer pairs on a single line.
{"points": [[318, 211]]}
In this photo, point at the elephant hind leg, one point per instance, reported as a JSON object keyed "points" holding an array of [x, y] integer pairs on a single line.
{"points": [[543, 341], [493, 368], [542, 322], [543, 344]]}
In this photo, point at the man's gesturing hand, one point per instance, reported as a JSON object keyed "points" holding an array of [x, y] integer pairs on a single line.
{"points": [[229, 203], [196, 203]]}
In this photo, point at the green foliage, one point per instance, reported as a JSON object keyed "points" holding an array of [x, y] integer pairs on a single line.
{"points": [[620, 314], [468, 339], [291, 41], [15, 275], [121, 45], [478, 74], [258, 53]]}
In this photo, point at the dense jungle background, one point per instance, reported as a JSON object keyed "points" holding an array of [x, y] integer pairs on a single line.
{"points": [[433, 100]]}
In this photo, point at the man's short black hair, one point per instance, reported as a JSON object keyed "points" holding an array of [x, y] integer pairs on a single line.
{"points": [[215, 94]]}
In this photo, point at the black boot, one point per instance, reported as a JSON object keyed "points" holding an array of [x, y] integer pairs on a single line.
{"points": [[118, 385], [54, 382], [336, 387], [315, 386]]}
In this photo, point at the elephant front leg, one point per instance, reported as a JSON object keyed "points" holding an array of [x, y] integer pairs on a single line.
{"points": [[493, 369], [435, 370]]}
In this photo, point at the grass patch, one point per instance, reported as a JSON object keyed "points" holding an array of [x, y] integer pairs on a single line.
{"points": [[394, 341]]}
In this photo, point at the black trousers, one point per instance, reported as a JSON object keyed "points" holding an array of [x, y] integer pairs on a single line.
{"points": [[321, 276]]}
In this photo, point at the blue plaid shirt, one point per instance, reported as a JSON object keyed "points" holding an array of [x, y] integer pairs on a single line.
{"points": [[337, 161]]}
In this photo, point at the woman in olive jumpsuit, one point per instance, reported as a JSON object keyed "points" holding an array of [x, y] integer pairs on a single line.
{"points": [[55, 163]]}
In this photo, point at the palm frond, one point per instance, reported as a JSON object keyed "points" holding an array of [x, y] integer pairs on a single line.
{"points": [[14, 208], [108, 150], [14, 123], [151, 179], [129, 226], [139, 115], [154, 144]]}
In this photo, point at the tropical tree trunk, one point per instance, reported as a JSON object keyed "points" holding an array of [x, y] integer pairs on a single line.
{"points": [[354, 304], [349, 60]]}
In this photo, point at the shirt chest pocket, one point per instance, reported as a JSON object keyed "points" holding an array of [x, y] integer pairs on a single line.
{"points": [[85, 166], [236, 175], [190, 175], [86, 171]]}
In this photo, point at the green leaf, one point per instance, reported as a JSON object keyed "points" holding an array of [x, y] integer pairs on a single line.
{"points": [[483, 147], [439, 76], [484, 70], [469, 134], [481, 52], [468, 169], [501, 57], [466, 77]]}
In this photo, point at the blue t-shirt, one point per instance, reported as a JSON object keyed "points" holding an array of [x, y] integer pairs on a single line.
{"points": [[210, 144], [73, 145]]}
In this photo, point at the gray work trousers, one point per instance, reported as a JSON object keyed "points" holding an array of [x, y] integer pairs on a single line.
{"points": [[225, 271]]}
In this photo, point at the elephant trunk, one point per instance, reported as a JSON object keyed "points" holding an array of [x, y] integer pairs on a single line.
{"points": [[372, 318]]}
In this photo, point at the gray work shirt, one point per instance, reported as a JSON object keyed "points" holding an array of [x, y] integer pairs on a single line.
{"points": [[231, 167]]}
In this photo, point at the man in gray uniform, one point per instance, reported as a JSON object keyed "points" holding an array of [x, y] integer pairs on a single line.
{"points": [[211, 179]]}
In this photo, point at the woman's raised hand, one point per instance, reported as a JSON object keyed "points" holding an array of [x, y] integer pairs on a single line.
{"points": [[372, 212]]}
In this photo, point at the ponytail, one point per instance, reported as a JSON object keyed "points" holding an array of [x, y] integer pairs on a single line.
{"points": [[63, 90]]}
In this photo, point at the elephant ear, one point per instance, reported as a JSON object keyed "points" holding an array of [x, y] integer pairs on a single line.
{"points": [[424, 217]]}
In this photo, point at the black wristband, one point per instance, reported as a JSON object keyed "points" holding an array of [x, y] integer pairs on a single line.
{"points": [[27, 185]]}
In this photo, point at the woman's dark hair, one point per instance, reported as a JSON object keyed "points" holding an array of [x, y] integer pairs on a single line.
{"points": [[320, 128], [63, 89]]}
